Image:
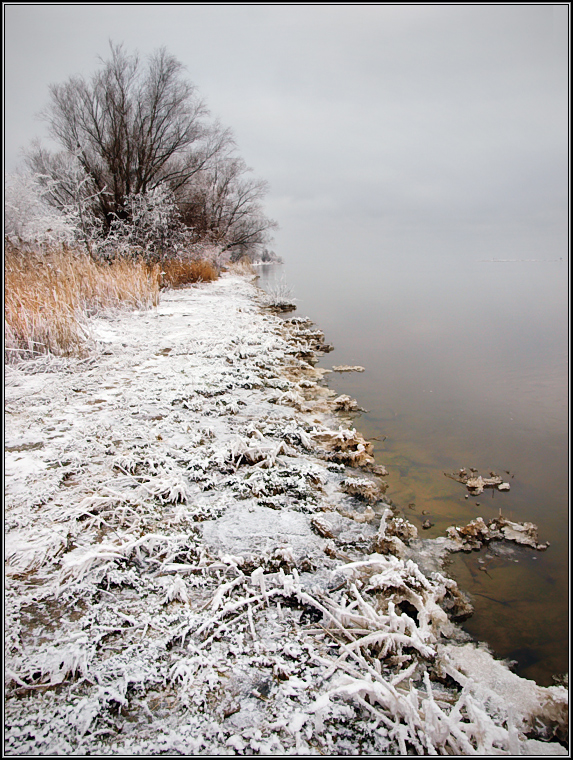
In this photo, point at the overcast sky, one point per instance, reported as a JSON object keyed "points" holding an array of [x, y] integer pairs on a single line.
{"points": [[363, 118]]}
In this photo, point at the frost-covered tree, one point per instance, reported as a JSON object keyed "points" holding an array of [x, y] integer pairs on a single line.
{"points": [[30, 218], [133, 127], [224, 205], [67, 188], [140, 160]]}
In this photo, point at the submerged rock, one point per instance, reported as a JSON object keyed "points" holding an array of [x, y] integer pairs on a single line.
{"points": [[348, 368], [476, 483], [477, 532]]}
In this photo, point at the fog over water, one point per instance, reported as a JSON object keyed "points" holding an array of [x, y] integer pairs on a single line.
{"points": [[405, 146]]}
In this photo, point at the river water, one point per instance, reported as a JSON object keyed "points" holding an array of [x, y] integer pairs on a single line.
{"points": [[466, 366]]}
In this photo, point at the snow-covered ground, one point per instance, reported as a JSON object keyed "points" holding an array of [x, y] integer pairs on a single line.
{"points": [[199, 559]]}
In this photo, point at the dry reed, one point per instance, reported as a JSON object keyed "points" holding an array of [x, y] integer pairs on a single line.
{"points": [[48, 297], [176, 273]]}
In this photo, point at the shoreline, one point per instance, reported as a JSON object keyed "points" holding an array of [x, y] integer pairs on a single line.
{"points": [[224, 573]]}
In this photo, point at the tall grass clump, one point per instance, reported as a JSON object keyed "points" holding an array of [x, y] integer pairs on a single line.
{"points": [[49, 295], [177, 272]]}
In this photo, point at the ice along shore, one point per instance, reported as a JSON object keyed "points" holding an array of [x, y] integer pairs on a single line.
{"points": [[200, 560]]}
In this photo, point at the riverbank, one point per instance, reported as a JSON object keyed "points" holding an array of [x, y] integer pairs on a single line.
{"points": [[200, 559], [431, 409]]}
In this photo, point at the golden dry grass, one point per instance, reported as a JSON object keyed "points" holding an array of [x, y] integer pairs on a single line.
{"points": [[48, 297], [176, 273]]}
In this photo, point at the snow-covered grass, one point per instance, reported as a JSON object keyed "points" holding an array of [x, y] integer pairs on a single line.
{"points": [[197, 563]]}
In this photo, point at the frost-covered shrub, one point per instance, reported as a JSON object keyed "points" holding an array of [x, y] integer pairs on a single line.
{"points": [[29, 217], [279, 297], [150, 226]]}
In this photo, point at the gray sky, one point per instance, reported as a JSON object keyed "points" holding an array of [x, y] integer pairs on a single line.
{"points": [[366, 120]]}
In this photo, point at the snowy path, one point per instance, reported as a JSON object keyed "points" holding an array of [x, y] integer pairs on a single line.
{"points": [[199, 559]]}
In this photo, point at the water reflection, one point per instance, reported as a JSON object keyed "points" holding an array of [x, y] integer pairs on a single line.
{"points": [[466, 366]]}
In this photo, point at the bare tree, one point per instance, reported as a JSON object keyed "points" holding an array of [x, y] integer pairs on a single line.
{"points": [[223, 204], [133, 127], [138, 151]]}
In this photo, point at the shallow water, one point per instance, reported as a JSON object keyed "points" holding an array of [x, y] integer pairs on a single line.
{"points": [[466, 366]]}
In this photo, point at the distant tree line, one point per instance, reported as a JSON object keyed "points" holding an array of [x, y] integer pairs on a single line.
{"points": [[141, 168]]}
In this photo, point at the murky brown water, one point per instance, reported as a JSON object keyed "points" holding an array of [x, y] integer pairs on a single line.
{"points": [[466, 366]]}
